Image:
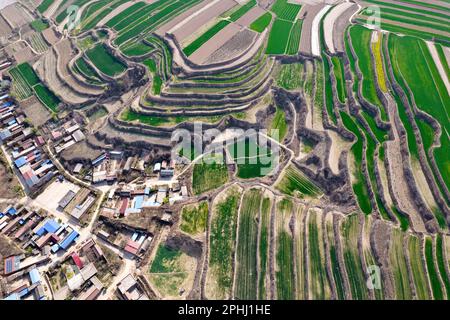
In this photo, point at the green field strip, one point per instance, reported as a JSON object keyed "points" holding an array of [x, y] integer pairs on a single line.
{"points": [[413, 64], [242, 10], [438, 293], [93, 21], [279, 123], [295, 182], [353, 264], [152, 22], [300, 254], [47, 97], [261, 23], [338, 69], [399, 266], [44, 5], [104, 61], [263, 249], [289, 76], [136, 49], [285, 10], [39, 25], [125, 14], [246, 246], [222, 241], [139, 16], [413, 21], [318, 280], [409, 14], [208, 176], [294, 38], [370, 160], [425, 4], [279, 37], [441, 264], [20, 85], [334, 262], [380, 134], [417, 268], [319, 93], [284, 255], [406, 8], [329, 103], [253, 160], [427, 134], [86, 70], [351, 59], [207, 35], [28, 74], [361, 42], [359, 186], [93, 7], [409, 31]]}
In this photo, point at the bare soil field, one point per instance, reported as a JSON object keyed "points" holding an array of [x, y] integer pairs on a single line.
{"points": [[333, 31], [5, 29], [20, 51], [315, 30], [400, 187], [80, 150], [50, 36], [201, 55], [438, 63], [337, 146], [340, 27], [188, 27], [35, 111], [7, 249], [250, 16], [233, 47], [184, 17], [9, 185], [16, 16], [309, 13]]}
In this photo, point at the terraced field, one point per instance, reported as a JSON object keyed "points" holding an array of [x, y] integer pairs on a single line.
{"points": [[246, 246], [104, 61], [345, 196]]}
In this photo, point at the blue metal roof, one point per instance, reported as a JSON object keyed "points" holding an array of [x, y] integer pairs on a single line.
{"points": [[50, 226], [138, 201], [68, 240], [20, 162], [55, 248], [23, 292], [99, 159], [11, 211], [147, 191], [13, 296], [34, 276]]}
